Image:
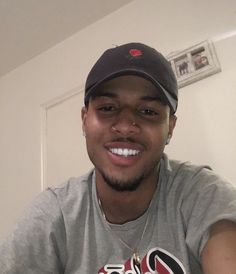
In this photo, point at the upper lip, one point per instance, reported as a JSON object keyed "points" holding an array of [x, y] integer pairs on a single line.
{"points": [[124, 144]]}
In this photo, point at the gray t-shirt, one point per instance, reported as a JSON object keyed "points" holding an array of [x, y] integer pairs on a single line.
{"points": [[64, 231]]}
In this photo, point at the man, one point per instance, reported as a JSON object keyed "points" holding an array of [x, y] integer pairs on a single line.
{"points": [[137, 211]]}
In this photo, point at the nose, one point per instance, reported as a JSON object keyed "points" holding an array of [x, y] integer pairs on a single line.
{"points": [[125, 123]]}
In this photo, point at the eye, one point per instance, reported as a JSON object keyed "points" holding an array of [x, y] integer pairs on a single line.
{"points": [[148, 111], [107, 108]]}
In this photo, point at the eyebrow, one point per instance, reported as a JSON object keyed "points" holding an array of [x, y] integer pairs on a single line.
{"points": [[153, 98], [147, 98], [100, 93]]}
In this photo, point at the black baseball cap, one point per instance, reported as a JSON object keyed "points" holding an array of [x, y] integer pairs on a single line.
{"points": [[134, 59]]}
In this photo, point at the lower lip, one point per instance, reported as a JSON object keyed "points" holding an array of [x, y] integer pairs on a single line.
{"points": [[122, 160]]}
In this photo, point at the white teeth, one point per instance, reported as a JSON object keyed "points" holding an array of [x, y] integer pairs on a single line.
{"points": [[124, 151]]}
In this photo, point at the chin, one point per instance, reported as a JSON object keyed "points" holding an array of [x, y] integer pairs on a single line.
{"points": [[122, 183], [123, 186]]}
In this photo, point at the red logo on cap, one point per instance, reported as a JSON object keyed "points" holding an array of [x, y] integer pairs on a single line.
{"points": [[135, 52]]}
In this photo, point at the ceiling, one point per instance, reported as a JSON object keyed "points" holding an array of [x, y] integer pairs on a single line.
{"points": [[29, 27]]}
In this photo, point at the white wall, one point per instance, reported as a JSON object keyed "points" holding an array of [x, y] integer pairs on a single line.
{"points": [[206, 127], [206, 111]]}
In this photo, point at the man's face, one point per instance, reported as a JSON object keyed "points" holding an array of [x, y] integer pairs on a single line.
{"points": [[126, 155]]}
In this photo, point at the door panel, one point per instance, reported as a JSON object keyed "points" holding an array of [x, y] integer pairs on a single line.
{"points": [[64, 153]]}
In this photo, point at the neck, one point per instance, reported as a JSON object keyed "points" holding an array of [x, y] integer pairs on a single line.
{"points": [[120, 207]]}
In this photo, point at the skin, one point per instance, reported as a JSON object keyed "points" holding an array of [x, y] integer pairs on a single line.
{"points": [[125, 185], [133, 179], [219, 253]]}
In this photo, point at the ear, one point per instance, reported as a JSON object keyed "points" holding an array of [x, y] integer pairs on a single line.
{"points": [[84, 112], [172, 123]]}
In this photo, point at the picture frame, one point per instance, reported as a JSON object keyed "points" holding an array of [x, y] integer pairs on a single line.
{"points": [[194, 63]]}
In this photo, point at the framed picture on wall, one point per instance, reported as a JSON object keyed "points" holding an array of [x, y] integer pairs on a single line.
{"points": [[195, 63]]}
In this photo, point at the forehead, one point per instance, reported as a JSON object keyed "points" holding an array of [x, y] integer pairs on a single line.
{"points": [[130, 86]]}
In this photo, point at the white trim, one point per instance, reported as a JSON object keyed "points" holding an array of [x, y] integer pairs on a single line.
{"points": [[63, 97], [224, 36], [43, 131], [43, 150]]}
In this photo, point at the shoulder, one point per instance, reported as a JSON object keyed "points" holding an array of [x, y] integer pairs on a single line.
{"points": [[196, 186], [202, 197], [49, 204], [189, 176], [76, 193], [76, 186], [184, 170]]}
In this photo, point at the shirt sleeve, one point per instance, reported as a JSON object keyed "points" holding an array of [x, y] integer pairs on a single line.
{"points": [[37, 243], [208, 199]]}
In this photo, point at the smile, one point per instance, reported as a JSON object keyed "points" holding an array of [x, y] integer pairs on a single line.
{"points": [[124, 151]]}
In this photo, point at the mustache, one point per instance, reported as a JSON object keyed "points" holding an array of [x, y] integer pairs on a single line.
{"points": [[131, 140], [125, 140]]}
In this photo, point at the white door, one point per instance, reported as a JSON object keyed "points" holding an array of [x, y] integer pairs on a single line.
{"points": [[63, 144]]}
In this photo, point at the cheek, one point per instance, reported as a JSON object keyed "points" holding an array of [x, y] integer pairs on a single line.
{"points": [[95, 129], [158, 134]]}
